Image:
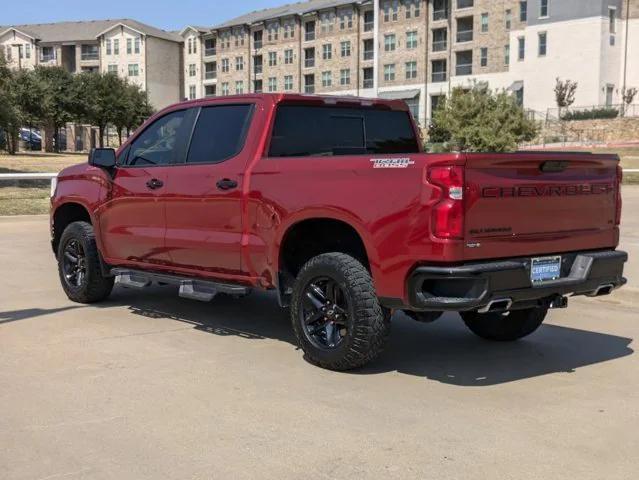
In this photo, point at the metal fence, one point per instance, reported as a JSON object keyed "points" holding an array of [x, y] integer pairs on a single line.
{"points": [[617, 110]]}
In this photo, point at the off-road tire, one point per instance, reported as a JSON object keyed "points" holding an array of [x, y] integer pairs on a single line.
{"points": [[368, 328], [505, 328], [95, 287]]}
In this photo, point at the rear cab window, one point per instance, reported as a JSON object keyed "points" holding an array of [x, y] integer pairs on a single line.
{"points": [[312, 131]]}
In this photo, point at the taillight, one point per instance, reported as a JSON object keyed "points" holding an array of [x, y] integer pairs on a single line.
{"points": [[619, 201], [448, 213]]}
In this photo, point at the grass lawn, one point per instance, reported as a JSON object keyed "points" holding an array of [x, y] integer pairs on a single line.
{"points": [[38, 162]]}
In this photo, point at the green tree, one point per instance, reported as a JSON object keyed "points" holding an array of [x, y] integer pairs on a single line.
{"points": [[565, 93], [58, 99], [131, 109], [10, 118], [481, 120]]}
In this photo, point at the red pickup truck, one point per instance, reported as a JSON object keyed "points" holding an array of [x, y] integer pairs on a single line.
{"points": [[332, 203]]}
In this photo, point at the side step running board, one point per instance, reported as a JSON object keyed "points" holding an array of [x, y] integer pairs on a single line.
{"points": [[194, 289]]}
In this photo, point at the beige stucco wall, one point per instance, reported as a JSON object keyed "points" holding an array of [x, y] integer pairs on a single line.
{"points": [[163, 71], [15, 40], [123, 59]]}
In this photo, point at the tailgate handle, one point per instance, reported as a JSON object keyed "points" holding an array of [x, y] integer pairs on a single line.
{"points": [[554, 166]]}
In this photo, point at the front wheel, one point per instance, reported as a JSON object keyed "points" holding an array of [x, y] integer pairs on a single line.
{"points": [[336, 315], [79, 265], [505, 328]]}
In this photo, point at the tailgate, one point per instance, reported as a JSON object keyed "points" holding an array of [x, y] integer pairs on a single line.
{"points": [[534, 203]]}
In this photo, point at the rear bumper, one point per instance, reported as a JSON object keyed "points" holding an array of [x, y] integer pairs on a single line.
{"points": [[475, 286]]}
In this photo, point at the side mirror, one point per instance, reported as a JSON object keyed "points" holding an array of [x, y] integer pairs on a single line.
{"points": [[102, 157]]}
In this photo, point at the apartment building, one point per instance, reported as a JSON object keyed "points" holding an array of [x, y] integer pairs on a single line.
{"points": [[418, 50], [145, 55]]}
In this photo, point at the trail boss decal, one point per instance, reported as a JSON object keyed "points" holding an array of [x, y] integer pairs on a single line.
{"points": [[391, 162]]}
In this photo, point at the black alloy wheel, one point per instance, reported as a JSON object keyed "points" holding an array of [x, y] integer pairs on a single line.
{"points": [[74, 264]]}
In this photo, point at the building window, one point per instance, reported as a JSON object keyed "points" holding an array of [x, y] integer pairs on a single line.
{"points": [[610, 90], [137, 46], [239, 63], [439, 68], [543, 8], [367, 78], [507, 55], [116, 46], [113, 69], [543, 44], [288, 57], [327, 79], [89, 52], [257, 64], [209, 91], [389, 72], [288, 83], [484, 22], [464, 29], [272, 59], [464, 64], [47, 54], [210, 70], [326, 22], [369, 49], [27, 51], [523, 11], [411, 40], [309, 31], [483, 57], [521, 48], [272, 84], [192, 70], [346, 49], [391, 10], [309, 83], [133, 70], [209, 47], [465, 3], [440, 39], [411, 70], [257, 39], [369, 21], [327, 51], [289, 30], [195, 45], [257, 86], [225, 88], [612, 17], [346, 20], [192, 94], [345, 76], [309, 57], [389, 42], [436, 101], [273, 32], [189, 44], [509, 19], [109, 47], [440, 10], [225, 65], [239, 87], [129, 46]]}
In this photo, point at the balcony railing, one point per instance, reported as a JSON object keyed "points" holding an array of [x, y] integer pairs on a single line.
{"points": [[209, 52], [440, 15], [369, 54], [47, 58], [465, 3], [439, 77], [309, 89], [464, 69], [440, 45], [464, 36], [258, 44], [210, 75], [368, 83], [309, 36], [309, 62], [258, 69], [89, 56], [369, 26]]}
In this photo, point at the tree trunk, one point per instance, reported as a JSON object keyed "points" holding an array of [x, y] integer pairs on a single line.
{"points": [[101, 135], [120, 136]]}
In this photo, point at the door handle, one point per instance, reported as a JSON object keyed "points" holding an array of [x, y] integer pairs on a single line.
{"points": [[226, 184], [154, 183]]}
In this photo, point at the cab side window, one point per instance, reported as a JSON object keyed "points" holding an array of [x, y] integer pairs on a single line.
{"points": [[157, 144]]}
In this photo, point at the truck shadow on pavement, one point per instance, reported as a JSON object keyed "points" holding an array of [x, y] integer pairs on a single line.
{"points": [[444, 351]]}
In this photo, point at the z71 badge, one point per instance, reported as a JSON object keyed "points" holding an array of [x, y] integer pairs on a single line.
{"points": [[391, 162]]}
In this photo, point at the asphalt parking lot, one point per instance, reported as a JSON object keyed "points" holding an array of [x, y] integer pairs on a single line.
{"points": [[151, 386]]}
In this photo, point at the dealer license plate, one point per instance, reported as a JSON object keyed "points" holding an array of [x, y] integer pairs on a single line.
{"points": [[545, 269]]}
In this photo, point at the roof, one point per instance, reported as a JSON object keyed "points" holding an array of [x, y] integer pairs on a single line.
{"points": [[196, 28], [286, 10], [87, 30]]}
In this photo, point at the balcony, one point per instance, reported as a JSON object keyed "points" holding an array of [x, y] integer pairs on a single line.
{"points": [[212, 75], [47, 58], [440, 15], [465, 4], [210, 52], [309, 89], [309, 62], [438, 77], [369, 26], [464, 69], [369, 54], [464, 36], [257, 44], [440, 46]]}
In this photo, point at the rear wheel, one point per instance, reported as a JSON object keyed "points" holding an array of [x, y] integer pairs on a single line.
{"points": [[79, 265], [336, 315], [505, 328]]}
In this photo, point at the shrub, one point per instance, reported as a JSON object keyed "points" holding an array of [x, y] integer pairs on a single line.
{"points": [[592, 114]]}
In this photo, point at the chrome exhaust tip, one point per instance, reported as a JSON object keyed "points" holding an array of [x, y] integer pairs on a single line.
{"points": [[602, 290], [497, 305]]}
